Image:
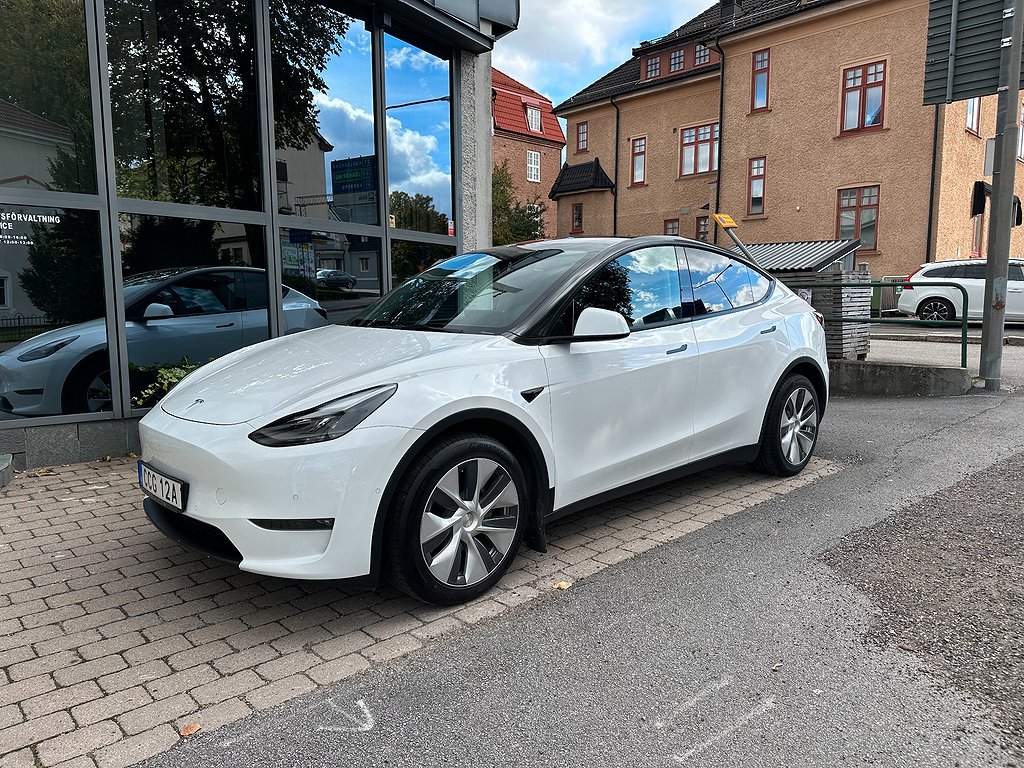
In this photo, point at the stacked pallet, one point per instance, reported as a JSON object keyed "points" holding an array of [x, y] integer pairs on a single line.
{"points": [[843, 341]]}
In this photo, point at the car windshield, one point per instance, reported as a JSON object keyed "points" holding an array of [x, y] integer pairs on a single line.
{"points": [[486, 292]]}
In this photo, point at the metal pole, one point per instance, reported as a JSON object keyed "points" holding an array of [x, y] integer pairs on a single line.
{"points": [[1007, 123]]}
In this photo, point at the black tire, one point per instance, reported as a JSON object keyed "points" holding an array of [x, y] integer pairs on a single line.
{"points": [[87, 388], [936, 308], [429, 529], [787, 446]]}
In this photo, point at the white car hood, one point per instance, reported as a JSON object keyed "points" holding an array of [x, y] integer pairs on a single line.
{"points": [[288, 374]]}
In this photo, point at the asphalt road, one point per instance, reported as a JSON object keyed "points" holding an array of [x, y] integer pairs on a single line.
{"points": [[733, 646]]}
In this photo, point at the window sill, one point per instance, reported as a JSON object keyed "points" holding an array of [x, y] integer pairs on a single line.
{"points": [[582, 152], [575, 231], [754, 217], [637, 184], [969, 132], [762, 111], [860, 132], [701, 175]]}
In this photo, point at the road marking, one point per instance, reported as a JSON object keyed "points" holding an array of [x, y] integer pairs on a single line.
{"points": [[703, 693], [365, 722], [765, 706]]}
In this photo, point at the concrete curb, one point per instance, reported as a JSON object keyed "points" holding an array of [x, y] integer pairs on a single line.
{"points": [[1008, 341], [863, 378], [6, 469]]}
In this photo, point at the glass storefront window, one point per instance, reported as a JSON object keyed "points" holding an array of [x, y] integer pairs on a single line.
{"points": [[326, 157], [341, 272], [185, 102], [410, 258], [419, 136], [193, 291], [46, 122], [53, 338]]}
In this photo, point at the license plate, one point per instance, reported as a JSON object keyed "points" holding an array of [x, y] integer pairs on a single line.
{"points": [[168, 491]]}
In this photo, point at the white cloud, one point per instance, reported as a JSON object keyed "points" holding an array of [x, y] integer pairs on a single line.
{"points": [[414, 58], [562, 47], [413, 162]]}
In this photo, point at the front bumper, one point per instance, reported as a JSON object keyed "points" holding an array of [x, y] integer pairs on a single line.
{"points": [[234, 482]]}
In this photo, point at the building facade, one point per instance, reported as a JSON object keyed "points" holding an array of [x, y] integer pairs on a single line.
{"points": [[802, 119], [172, 183], [528, 137]]}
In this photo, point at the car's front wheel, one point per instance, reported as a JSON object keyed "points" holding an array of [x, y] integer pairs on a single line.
{"points": [[458, 520], [790, 428], [936, 309], [87, 389]]}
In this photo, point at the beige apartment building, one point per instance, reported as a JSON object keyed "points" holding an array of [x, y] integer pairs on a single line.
{"points": [[803, 119]]}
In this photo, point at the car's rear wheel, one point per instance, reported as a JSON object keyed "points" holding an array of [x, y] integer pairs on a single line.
{"points": [[87, 389], [790, 428], [936, 308], [458, 520]]}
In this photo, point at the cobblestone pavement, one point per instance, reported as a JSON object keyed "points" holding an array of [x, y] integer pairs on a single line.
{"points": [[113, 640]]}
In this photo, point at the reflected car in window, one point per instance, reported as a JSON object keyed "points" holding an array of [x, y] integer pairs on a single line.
{"points": [[479, 400], [335, 278], [171, 315]]}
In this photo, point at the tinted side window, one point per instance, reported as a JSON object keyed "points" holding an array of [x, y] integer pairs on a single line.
{"points": [[255, 290], [943, 272], [1016, 273], [643, 286], [721, 283], [203, 294], [974, 272]]}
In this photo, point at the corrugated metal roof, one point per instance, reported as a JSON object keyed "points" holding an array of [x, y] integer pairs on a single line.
{"points": [[809, 255]]}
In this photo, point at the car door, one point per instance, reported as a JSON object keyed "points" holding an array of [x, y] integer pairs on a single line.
{"points": [[621, 409], [742, 342], [1015, 293], [204, 324], [973, 279]]}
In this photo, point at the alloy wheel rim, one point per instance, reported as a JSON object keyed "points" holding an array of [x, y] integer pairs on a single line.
{"points": [[799, 426], [934, 310], [97, 394], [469, 522]]}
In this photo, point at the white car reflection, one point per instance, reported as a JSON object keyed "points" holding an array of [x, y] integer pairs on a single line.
{"points": [[198, 314]]}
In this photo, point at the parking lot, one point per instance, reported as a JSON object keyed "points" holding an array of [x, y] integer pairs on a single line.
{"points": [[114, 640]]}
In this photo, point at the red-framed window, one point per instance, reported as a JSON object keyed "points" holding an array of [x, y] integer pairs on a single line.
{"points": [[974, 114], [863, 97], [582, 131], [699, 150], [654, 66], [671, 226], [701, 55], [638, 167], [755, 186], [760, 62], [703, 228], [857, 216], [676, 60], [577, 217]]}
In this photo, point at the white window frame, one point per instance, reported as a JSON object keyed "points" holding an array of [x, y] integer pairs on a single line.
{"points": [[533, 118], [532, 165], [701, 55]]}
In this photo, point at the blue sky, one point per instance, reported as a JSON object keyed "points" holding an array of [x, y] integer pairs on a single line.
{"points": [[559, 48]]}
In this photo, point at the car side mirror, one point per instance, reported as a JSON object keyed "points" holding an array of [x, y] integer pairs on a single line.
{"points": [[155, 310], [596, 324]]}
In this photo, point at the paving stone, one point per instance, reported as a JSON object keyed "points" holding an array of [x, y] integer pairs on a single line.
{"points": [[157, 713], [135, 749], [183, 681], [61, 698], [391, 649], [34, 731], [111, 705], [275, 693], [232, 685], [338, 669], [135, 675], [342, 646], [12, 693], [246, 659]]}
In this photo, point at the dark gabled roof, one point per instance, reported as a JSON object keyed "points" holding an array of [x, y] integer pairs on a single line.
{"points": [[707, 25], [13, 116], [580, 177], [809, 256]]}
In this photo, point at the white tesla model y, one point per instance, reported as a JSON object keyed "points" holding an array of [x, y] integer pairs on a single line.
{"points": [[496, 391]]}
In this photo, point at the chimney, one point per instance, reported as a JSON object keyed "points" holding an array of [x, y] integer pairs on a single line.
{"points": [[730, 9]]}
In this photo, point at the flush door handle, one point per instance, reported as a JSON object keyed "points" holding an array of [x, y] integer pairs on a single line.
{"points": [[768, 330]]}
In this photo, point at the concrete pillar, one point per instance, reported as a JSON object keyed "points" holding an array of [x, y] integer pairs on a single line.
{"points": [[473, 113]]}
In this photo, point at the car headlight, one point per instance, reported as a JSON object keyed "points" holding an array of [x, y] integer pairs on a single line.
{"points": [[46, 350], [326, 422]]}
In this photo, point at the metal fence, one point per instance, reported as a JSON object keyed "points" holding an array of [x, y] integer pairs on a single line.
{"points": [[20, 327]]}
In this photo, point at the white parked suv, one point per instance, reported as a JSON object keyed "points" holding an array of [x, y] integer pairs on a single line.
{"points": [[943, 302]]}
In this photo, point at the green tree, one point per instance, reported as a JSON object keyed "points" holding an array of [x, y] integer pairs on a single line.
{"points": [[416, 212], [512, 220]]}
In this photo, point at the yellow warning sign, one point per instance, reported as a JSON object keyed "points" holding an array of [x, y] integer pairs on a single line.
{"points": [[724, 220]]}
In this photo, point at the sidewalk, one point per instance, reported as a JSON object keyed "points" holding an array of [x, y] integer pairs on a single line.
{"points": [[115, 641]]}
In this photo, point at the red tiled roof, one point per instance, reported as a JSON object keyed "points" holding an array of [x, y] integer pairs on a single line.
{"points": [[13, 116], [511, 99]]}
